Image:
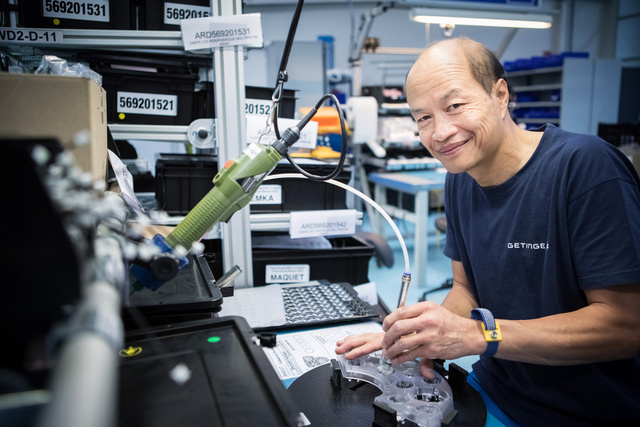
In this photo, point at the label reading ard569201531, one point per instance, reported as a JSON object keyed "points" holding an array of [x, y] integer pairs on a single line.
{"points": [[221, 31]]}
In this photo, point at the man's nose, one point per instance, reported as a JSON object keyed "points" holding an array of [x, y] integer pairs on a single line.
{"points": [[443, 129]]}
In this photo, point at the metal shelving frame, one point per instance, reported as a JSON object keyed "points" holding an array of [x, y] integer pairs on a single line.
{"points": [[228, 66]]}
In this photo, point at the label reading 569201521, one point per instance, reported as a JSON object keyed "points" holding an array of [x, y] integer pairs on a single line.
{"points": [[174, 12], [147, 103], [83, 10]]}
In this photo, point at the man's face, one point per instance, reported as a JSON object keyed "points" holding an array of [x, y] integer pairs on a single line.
{"points": [[458, 121]]}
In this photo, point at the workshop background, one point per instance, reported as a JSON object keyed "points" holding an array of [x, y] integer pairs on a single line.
{"points": [[581, 74]]}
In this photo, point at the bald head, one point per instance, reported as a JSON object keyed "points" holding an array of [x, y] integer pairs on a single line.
{"points": [[483, 65]]}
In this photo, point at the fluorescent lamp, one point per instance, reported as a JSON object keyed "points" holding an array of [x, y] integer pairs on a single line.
{"points": [[480, 18]]}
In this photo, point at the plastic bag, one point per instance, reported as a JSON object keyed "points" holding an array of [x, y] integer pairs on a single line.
{"points": [[51, 64]]}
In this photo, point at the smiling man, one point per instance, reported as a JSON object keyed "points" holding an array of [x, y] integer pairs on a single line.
{"points": [[543, 230]]}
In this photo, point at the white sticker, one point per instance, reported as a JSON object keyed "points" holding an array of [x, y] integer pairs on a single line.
{"points": [[289, 273], [220, 31], [176, 12], [147, 103], [83, 10], [125, 182], [268, 194], [252, 151], [337, 222], [26, 36], [256, 126], [257, 107]]}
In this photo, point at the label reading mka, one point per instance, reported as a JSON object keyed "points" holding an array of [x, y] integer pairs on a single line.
{"points": [[268, 194], [289, 273], [147, 103], [82, 10]]}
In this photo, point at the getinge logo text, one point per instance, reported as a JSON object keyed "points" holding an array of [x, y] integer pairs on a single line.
{"points": [[524, 245]]}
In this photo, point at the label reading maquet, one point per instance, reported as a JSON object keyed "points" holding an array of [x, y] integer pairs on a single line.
{"points": [[289, 273], [83, 10], [147, 103]]}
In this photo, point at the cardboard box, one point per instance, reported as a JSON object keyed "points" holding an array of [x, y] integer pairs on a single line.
{"points": [[46, 106]]}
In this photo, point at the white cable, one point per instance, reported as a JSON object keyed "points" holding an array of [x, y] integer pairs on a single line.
{"points": [[366, 199]]}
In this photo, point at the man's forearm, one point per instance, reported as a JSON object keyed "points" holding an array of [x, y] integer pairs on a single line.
{"points": [[459, 300], [607, 329]]}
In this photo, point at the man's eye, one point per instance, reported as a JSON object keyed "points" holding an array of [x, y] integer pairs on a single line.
{"points": [[455, 106], [423, 119]]}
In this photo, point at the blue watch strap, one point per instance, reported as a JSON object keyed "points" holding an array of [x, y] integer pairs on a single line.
{"points": [[489, 325]]}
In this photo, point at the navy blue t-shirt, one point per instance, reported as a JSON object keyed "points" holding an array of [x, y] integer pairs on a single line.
{"points": [[568, 221]]}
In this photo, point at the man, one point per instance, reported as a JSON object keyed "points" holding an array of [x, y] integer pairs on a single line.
{"points": [[543, 229]]}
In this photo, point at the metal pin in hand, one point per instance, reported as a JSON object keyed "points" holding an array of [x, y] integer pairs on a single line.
{"points": [[385, 366]]}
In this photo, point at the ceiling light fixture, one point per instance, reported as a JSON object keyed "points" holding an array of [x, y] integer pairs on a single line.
{"points": [[480, 18]]}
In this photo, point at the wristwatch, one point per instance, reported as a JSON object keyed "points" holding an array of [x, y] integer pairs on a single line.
{"points": [[490, 328]]}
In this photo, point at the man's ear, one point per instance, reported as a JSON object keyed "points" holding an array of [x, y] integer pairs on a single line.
{"points": [[501, 92]]}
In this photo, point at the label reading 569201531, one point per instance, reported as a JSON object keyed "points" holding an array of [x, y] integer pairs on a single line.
{"points": [[174, 12], [83, 10], [147, 103]]}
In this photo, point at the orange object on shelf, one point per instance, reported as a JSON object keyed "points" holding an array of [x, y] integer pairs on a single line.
{"points": [[327, 118]]}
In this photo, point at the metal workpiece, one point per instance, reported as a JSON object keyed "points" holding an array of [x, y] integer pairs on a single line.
{"points": [[406, 393], [385, 366]]}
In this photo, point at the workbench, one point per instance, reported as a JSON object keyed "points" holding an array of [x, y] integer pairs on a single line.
{"points": [[419, 184]]}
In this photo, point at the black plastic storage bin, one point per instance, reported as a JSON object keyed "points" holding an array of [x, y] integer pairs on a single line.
{"points": [[114, 15], [182, 180], [148, 98], [300, 194], [205, 101], [144, 88], [347, 261], [287, 108], [166, 15]]}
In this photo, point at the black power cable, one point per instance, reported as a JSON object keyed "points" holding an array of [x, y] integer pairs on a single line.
{"points": [[277, 95], [343, 149]]}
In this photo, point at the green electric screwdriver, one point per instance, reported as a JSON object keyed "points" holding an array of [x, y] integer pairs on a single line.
{"points": [[233, 188]]}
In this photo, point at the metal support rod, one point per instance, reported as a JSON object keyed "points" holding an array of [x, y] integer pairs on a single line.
{"points": [[228, 64]]}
